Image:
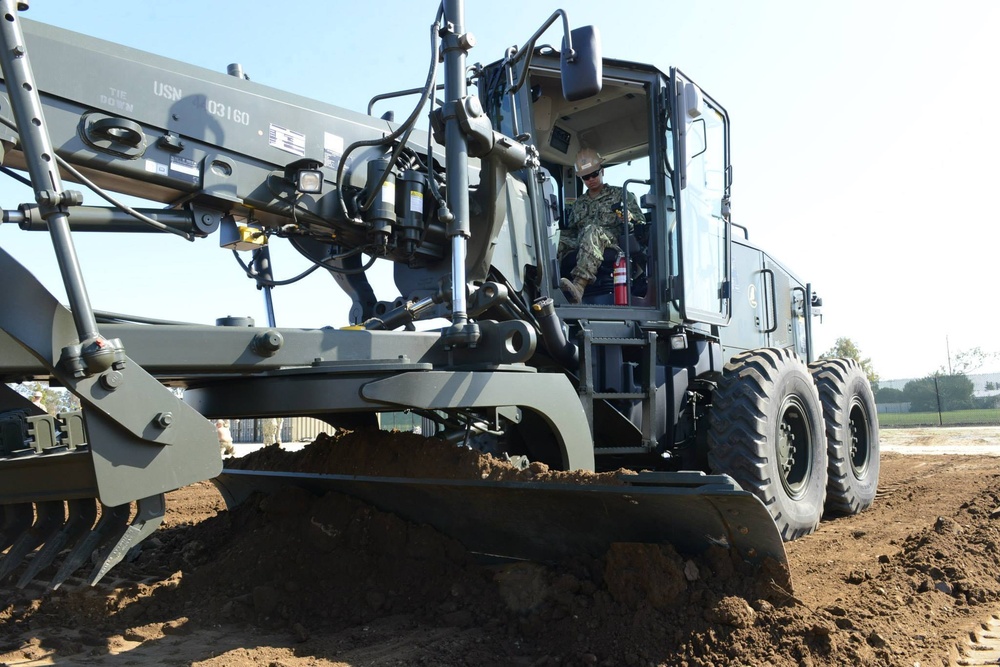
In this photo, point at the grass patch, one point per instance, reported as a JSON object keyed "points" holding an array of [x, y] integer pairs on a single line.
{"points": [[953, 418]]}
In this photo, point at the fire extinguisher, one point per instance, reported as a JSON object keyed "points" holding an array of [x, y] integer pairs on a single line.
{"points": [[620, 274]]}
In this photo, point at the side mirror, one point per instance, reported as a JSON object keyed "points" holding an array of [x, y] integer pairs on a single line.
{"points": [[583, 73]]}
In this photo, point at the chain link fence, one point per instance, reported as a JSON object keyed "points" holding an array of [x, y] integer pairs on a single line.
{"points": [[940, 400]]}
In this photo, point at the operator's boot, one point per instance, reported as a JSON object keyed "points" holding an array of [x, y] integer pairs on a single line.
{"points": [[573, 290]]}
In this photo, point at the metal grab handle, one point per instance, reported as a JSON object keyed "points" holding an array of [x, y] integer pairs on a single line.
{"points": [[807, 317], [773, 297], [628, 235]]}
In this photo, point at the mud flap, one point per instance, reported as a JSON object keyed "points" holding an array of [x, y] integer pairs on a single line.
{"points": [[550, 521]]}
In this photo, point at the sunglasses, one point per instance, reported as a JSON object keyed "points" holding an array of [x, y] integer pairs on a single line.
{"points": [[592, 176]]}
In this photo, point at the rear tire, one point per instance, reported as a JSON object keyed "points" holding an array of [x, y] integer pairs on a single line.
{"points": [[851, 435], [766, 431]]}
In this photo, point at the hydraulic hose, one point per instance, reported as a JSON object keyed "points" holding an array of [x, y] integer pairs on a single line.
{"points": [[404, 128]]}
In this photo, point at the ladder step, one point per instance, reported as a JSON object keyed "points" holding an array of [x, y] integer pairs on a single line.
{"points": [[613, 395], [618, 341], [617, 451]]}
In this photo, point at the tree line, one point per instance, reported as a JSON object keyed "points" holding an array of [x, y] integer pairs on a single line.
{"points": [[943, 390], [936, 393]]}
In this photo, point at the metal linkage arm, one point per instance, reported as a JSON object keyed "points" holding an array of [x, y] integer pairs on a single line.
{"points": [[40, 156], [93, 354]]}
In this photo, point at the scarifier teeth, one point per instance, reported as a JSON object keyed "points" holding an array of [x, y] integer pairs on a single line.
{"points": [[16, 520], [112, 524], [148, 517], [40, 533], [49, 518], [82, 514]]}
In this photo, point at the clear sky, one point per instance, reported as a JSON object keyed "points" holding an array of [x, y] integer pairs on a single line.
{"points": [[863, 157]]}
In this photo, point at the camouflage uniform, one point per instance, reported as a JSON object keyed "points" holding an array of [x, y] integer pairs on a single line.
{"points": [[595, 225], [272, 430], [225, 438]]}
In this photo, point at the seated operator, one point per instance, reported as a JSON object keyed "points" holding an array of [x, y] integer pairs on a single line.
{"points": [[595, 224]]}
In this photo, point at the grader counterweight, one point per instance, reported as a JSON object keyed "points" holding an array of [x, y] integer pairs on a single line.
{"points": [[695, 370]]}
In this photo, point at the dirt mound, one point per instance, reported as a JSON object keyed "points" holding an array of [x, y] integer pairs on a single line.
{"points": [[402, 454], [342, 563], [292, 579]]}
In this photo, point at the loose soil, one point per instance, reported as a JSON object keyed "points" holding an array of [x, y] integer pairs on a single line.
{"points": [[292, 579]]}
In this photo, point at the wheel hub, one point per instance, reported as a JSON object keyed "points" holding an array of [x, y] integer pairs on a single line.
{"points": [[786, 449], [860, 440], [793, 448]]}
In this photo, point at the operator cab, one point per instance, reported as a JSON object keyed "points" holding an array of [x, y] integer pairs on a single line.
{"points": [[641, 122]]}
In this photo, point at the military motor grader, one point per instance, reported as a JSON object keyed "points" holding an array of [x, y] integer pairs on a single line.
{"points": [[693, 362]]}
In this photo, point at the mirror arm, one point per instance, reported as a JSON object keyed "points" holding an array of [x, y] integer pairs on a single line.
{"points": [[528, 49]]}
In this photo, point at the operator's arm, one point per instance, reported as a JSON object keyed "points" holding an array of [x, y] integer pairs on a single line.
{"points": [[635, 213]]}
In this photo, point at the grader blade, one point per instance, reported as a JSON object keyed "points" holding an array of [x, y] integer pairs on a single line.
{"points": [[550, 521]]}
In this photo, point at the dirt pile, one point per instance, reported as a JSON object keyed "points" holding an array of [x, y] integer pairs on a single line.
{"points": [[400, 454], [292, 579]]}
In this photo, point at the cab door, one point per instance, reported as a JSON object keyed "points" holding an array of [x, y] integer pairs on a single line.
{"points": [[700, 129]]}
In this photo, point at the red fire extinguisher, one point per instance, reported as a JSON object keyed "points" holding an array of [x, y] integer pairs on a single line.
{"points": [[621, 281]]}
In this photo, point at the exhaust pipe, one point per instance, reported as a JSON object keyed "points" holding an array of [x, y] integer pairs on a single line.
{"points": [[562, 350]]}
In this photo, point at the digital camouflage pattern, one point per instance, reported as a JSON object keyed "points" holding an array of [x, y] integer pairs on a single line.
{"points": [[272, 430], [594, 226]]}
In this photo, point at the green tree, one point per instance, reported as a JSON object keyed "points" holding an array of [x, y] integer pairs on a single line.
{"points": [[845, 348], [921, 395], [949, 392], [55, 399], [62, 400], [890, 395]]}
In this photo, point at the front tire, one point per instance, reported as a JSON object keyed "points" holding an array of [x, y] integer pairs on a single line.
{"points": [[766, 431], [851, 435]]}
